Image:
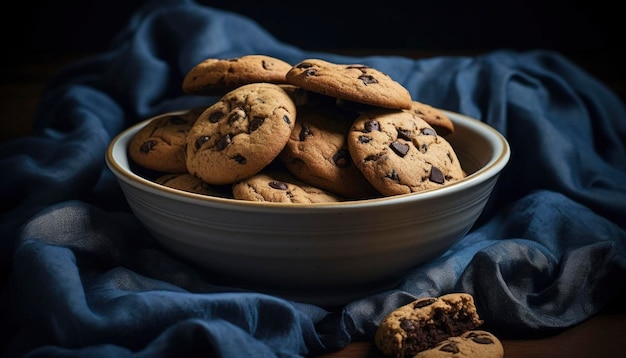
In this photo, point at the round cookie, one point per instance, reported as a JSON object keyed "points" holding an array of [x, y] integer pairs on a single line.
{"points": [[471, 344], [399, 153], [217, 76], [354, 82], [160, 145], [240, 134], [425, 322], [433, 116], [280, 187], [317, 153], [192, 184]]}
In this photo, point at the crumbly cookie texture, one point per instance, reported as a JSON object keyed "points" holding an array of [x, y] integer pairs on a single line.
{"points": [[425, 322], [433, 116], [217, 76], [160, 145], [240, 134], [280, 187], [471, 344], [352, 82], [399, 153], [317, 152]]}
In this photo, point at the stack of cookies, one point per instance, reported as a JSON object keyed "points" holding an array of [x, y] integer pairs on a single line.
{"points": [[312, 132], [444, 326]]}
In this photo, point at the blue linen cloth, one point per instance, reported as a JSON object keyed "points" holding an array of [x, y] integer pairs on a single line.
{"points": [[81, 276]]}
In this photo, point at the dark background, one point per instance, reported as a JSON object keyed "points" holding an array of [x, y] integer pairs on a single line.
{"points": [[48, 32], [34, 28]]}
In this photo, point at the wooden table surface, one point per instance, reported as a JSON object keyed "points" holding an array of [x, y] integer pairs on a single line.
{"points": [[22, 84]]}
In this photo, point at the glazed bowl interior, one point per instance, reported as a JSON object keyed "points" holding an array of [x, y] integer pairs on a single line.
{"points": [[325, 253]]}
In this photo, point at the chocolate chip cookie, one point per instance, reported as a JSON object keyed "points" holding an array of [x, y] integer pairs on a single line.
{"points": [[240, 134], [471, 344], [280, 187], [425, 322], [217, 76], [352, 82], [399, 153], [160, 145], [317, 153]]}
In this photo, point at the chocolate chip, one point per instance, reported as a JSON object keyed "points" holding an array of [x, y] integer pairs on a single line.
{"points": [[305, 132], [408, 325], [428, 131], [201, 140], [424, 302], [342, 159], [371, 126], [309, 71], [405, 134], [223, 142], [255, 123], [147, 146], [393, 175], [374, 157], [286, 119], [362, 68], [436, 176], [236, 115], [239, 159], [399, 148], [364, 139], [266, 65], [482, 340], [216, 116], [450, 348], [367, 79], [278, 185]]}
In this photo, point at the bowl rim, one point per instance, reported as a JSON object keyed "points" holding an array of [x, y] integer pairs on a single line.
{"points": [[492, 168]]}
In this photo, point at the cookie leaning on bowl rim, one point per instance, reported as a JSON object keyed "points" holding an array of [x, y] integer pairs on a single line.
{"points": [[400, 153], [160, 144], [352, 82]]}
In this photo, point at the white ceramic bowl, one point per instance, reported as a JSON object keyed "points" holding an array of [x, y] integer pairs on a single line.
{"points": [[326, 254]]}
